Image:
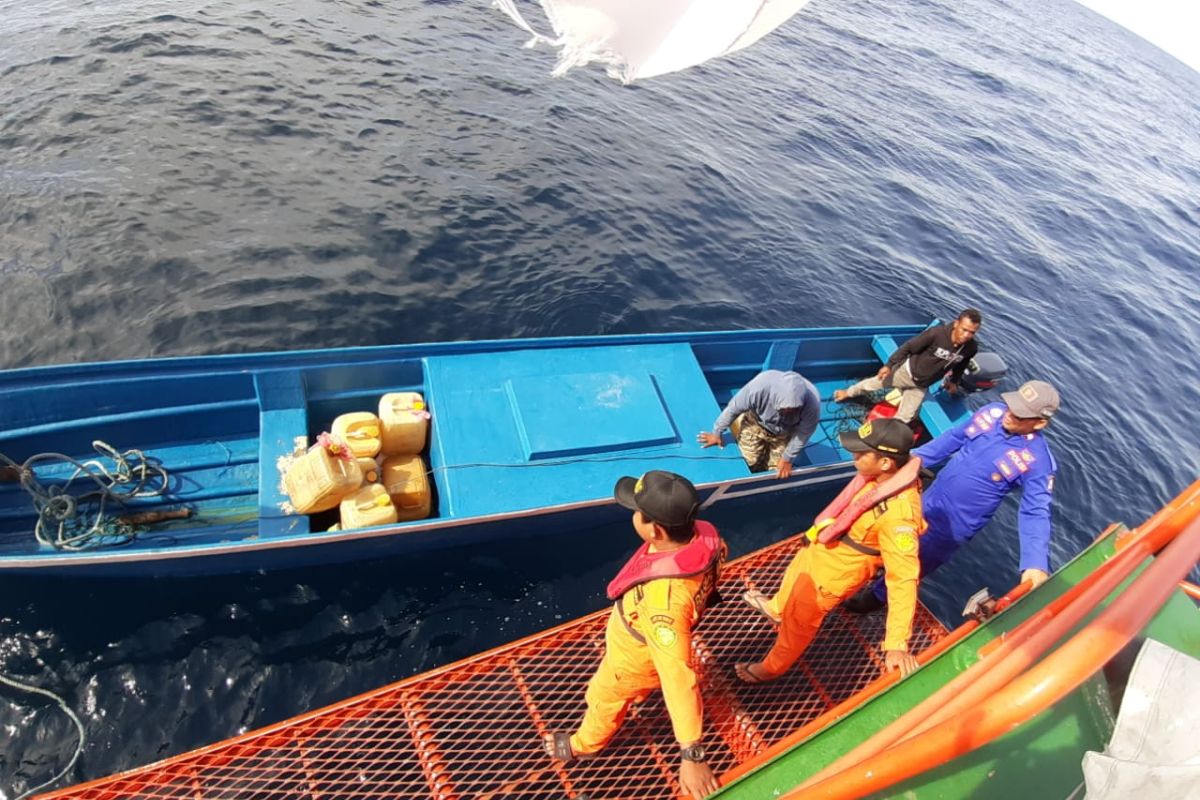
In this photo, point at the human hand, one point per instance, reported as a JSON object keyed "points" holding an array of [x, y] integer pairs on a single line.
{"points": [[883, 373], [902, 660], [950, 386], [697, 779], [785, 468], [1035, 576], [707, 439]]}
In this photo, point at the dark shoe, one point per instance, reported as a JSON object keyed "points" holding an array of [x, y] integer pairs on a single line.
{"points": [[863, 602]]}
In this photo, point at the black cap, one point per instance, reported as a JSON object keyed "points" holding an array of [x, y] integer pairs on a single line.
{"points": [[664, 497], [888, 437]]}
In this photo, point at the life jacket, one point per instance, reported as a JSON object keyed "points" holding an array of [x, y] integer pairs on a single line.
{"points": [[695, 558], [888, 407], [844, 511]]}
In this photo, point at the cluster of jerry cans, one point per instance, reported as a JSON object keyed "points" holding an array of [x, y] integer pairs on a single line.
{"points": [[369, 467]]}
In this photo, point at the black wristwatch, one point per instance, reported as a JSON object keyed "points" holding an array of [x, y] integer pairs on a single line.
{"points": [[693, 752]]}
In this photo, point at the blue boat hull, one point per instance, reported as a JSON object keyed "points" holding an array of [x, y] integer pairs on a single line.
{"points": [[527, 437]]}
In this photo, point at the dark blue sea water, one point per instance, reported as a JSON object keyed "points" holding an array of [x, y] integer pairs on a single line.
{"points": [[209, 177]]}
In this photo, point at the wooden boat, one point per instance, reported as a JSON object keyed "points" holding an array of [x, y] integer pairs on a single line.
{"points": [[1004, 705], [528, 436]]}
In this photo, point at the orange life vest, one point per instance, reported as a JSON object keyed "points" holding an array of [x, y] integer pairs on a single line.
{"points": [[696, 557]]}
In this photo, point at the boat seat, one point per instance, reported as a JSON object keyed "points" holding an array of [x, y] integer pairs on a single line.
{"points": [[283, 416], [782, 356]]}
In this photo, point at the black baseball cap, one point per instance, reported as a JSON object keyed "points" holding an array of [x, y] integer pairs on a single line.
{"points": [[888, 437], [664, 497]]}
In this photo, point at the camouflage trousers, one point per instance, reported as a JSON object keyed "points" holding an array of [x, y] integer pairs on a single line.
{"points": [[759, 447]]}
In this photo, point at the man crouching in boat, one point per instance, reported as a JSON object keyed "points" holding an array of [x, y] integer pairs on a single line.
{"points": [[824, 574], [772, 418], [660, 595]]}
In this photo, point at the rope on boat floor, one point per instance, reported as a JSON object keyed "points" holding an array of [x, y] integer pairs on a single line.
{"points": [[59, 522], [67, 710]]}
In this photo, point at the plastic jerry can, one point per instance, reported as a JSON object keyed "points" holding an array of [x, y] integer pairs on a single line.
{"points": [[360, 431], [370, 470], [369, 506], [407, 483], [317, 481], [405, 421]]}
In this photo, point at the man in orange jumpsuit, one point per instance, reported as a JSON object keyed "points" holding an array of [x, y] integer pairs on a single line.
{"points": [[660, 595], [821, 576]]}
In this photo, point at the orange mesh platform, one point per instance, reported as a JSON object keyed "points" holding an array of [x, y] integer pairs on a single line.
{"points": [[472, 729]]}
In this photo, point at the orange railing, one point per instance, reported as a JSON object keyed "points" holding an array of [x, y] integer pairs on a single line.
{"points": [[993, 697]]}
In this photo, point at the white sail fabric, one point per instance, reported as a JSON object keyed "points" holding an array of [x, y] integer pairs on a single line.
{"points": [[1155, 749], [643, 38]]}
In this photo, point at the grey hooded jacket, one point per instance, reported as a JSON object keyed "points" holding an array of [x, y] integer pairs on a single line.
{"points": [[767, 394]]}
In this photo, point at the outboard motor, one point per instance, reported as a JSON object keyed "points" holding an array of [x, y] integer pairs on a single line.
{"points": [[983, 372]]}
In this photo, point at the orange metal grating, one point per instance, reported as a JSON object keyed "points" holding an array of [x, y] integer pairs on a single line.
{"points": [[472, 729]]}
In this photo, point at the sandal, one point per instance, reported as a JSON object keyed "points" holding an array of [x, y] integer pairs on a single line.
{"points": [[746, 674], [760, 603], [558, 746]]}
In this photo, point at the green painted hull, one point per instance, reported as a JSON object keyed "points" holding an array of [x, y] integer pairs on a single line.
{"points": [[1042, 758]]}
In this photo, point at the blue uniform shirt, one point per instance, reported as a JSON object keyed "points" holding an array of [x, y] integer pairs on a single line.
{"points": [[986, 463]]}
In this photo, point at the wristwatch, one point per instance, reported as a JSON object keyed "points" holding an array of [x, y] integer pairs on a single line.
{"points": [[694, 752]]}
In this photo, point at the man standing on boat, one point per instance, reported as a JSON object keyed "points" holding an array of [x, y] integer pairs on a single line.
{"points": [[824, 574], [999, 449], [773, 416], [921, 362], [660, 595]]}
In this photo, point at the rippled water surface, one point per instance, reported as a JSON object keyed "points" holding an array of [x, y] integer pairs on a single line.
{"points": [[189, 177]]}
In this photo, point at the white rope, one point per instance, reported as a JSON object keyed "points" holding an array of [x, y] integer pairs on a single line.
{"points": [[67, 710], [59, 524]]}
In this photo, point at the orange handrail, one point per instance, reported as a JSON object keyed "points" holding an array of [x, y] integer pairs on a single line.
{"points": [[1028, 641], [1031, 693]]}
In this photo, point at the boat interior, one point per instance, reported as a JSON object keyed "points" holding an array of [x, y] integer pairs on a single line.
{"points": [[515, 424]]}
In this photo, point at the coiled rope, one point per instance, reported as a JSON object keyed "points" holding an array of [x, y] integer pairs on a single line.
{"points": [[850, 414], [63, 516]]}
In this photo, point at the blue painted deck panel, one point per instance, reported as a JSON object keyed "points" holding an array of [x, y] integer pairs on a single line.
{"points": [[562, 425]]}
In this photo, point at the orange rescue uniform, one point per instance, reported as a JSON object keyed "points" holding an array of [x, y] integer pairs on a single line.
{"points": [[821, 576], [648, 644]]}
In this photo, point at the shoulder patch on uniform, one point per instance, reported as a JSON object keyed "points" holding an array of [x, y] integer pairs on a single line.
{"points": [[665, 635], [906, 540], [981, 423]]}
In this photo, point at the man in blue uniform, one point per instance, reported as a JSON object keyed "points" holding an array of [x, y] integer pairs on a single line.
{"points": [[1000, 448]]}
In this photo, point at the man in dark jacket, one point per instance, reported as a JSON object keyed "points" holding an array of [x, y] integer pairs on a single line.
{"points": [[921, 362]]}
